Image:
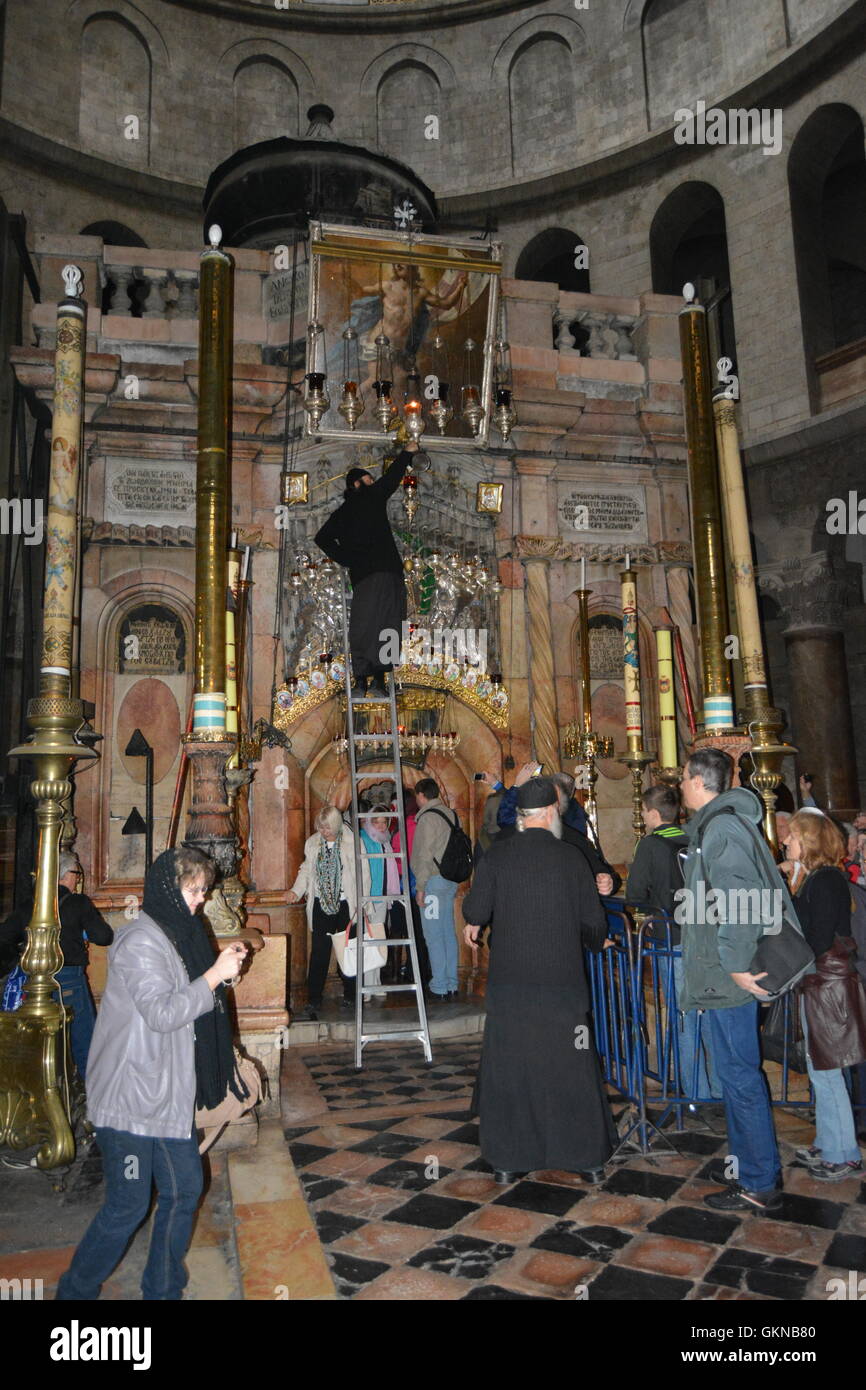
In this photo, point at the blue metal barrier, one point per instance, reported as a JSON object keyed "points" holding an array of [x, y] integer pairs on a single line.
{"points": [[641, 1035]]}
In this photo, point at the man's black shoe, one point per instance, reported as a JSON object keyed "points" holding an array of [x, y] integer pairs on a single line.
{"points": [[358, 692], [504, 1178], [377, 691], [593, 1175], [310, 1014], [737, 1198]]}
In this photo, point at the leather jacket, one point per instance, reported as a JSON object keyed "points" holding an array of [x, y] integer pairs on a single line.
{"points": [[835, 1003], [141, 1065]]}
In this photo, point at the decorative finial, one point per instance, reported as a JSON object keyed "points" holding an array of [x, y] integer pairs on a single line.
{"points": [[690, 294], [73, 281], [215, 235]]}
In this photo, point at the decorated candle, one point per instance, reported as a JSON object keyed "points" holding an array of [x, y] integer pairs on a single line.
{"points": [[631, 662], [667, 707]]}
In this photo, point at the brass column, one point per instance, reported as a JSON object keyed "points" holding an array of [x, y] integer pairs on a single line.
{"points": [[765, 723], [706, 514], [209, 745], [34, 1067]]}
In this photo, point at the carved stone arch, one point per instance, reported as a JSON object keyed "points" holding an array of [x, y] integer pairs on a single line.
{"points": [[240, 53], [122, 594], [542, 26], [83, 11], [417, 53]]}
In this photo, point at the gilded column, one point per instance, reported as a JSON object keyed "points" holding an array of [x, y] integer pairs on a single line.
{"points": [[33, 1041], [210, 744], [765, 723], [536, 552], [706, 516]]}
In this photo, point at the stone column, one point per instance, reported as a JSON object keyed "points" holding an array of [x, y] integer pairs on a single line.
{"points": [[536, 552], [813, 594]]}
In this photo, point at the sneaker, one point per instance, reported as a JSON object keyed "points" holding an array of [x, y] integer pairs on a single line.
{"points": [[835, 1172], [808, 1156], [737, 1198]]}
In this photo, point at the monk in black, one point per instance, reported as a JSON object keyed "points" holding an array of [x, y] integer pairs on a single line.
{"points": [[358, 536], [539, 1094]]}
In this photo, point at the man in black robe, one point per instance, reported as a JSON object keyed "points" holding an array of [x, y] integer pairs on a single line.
{"points": [[539, 1093], [358, 536]]}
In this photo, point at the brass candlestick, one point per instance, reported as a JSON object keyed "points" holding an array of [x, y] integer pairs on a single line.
{"points": [[582, 742], [636, 761], [671, 776]]}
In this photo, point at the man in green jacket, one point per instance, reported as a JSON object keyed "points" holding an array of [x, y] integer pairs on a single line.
{"points": [[732, 895]]}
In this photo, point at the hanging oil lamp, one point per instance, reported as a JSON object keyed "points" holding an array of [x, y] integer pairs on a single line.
{"points": [[384, 407], [413, 407], [351, 405], [472, 410], [441, 410], [316, 400], [504, 414]]}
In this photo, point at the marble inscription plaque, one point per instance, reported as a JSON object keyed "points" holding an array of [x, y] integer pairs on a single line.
{"points": [[159, 494], [602, 513], [277, 295]]}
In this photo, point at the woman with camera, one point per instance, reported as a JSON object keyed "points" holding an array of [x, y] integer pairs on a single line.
{"points": [[162, 1047]]}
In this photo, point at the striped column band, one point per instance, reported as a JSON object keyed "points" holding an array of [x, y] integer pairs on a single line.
{"points": [[209, 712], [718, 712]]}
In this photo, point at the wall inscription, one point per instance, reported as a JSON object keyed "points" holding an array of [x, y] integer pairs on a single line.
{"points": [[602, 513], [159, 494], [151, 642], [605, 647]]}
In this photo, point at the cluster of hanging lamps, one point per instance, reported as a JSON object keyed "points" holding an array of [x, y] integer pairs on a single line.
{"points": [[415, 409]]}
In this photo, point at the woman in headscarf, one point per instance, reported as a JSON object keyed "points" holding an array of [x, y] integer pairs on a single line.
{"points": [[162, 1047]]}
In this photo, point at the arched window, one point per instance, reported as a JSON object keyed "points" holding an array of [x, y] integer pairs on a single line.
{"points": [[556, 257], [679, 61], [113, 234], [689, 242], [265, 102], [406, 96], [114, 110], [827, 181], [541, 89]]}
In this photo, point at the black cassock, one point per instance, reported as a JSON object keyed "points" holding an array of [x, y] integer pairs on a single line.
{"points": [[539, 1093]]}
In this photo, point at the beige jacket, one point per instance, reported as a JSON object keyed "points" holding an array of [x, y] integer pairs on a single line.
{"points": [[306, 878], [431, 838]]}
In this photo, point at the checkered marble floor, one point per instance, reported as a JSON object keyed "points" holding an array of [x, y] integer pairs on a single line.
{"points": [[406, 1208]]}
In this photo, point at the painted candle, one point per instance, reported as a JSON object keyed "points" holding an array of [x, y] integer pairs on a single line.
{"points": [[667, 701], [631, 662]]}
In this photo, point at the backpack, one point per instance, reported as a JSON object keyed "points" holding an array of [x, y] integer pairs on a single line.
{"points": [[784, 955], [456, 861]]}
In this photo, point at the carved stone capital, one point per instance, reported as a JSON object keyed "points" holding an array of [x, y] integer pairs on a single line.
{"points": [[538, 547], [812, 591]]}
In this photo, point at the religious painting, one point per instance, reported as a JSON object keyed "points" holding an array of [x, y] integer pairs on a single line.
{"points": [[295, 488], [422, 304], [488, 498]]}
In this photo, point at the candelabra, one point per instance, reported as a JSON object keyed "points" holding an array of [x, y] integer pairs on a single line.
{"points": [[583, 743]]}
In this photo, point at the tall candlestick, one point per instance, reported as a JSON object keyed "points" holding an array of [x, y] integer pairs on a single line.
{"points": [[583, 571], [631, 661], [667, 703]]}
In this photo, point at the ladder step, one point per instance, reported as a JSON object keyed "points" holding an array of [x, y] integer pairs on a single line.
{"points": [[388, 989], [396, 1036]]}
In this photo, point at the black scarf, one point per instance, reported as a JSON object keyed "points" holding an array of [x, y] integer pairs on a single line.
{"points": [[215, 1069]]}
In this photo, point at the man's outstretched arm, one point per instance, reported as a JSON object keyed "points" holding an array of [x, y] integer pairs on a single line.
{"points": [[389, 482]]}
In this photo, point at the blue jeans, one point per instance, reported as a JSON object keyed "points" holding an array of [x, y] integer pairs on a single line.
{"points": [[75, 994], [437, 921], [694, 1044], [748, 1114], [835, 1132], [132, 1164]]}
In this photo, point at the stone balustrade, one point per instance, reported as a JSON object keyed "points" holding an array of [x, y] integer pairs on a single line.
{"points": [[594, 333]]}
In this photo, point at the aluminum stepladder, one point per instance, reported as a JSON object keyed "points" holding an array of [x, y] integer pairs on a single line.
{"points": [[363, 857]]}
